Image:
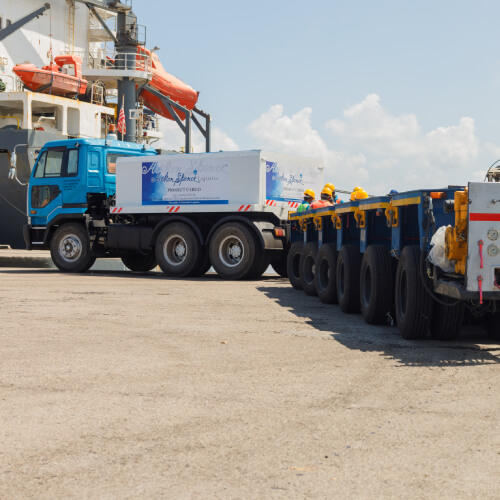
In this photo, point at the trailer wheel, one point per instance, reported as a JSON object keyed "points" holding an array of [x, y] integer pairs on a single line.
{"points": [[204, 265], [292, 264], [348, 269], [234, 252], [376, 284], [492, 325], [70, 248], [446, 321], [178, 251], [279, 262], [308, 267], [326, 273], [413, 303], [140, 263]]}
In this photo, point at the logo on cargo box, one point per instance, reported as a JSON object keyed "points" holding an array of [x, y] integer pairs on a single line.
{"points": [[283, 183]]}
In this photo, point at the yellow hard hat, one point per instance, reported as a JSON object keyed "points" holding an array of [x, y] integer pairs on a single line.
{"points": [[309, 192], [361, 194], [331, 186], [327, 190], [357, 188]]}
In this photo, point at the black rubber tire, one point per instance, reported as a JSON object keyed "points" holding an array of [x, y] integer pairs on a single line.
{"points": [[326, 273], [178, 250], [70, 248], [204, 264], [348, 269], [279, 262], [413, 303], [492, 325], [245, 259], [307, 267], [140, 263], [293, 264], [446, 321], [260, 266], [376, 285]]}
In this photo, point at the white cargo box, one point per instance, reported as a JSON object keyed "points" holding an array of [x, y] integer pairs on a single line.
{"points": [[239, 181]]}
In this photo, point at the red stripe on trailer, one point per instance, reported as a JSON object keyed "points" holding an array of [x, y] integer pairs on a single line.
{"points": [[481, 217], [246, 209], [177, 209], [120, 209], [241, 208]]}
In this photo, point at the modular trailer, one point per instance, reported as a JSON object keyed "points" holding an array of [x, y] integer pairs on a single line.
{"points": [[373, 255], [183, 212]]}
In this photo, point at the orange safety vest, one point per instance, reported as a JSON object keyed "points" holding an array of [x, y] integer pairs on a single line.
{"points": [[321, 204]]}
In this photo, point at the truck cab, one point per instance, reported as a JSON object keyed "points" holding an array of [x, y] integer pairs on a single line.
{"points": [[66, 177]]}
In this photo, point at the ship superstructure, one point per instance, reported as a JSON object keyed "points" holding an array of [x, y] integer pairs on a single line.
{"points": [[105, 36]]}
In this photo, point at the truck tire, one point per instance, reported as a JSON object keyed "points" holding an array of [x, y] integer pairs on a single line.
{"points": [[348, 269], [259, 267], [413, 303], [70, 248], [376, 284], [140, 263], [446, 321], [326, 273], [292, 264], [279, 262], [177, 250], [307, 267], [492, 325], [234, 251], [204, 265]]}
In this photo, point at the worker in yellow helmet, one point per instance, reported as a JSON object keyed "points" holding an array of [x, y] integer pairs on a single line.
{"points": [[308, 199], [326, 199], [354, 191], [335, 198]]}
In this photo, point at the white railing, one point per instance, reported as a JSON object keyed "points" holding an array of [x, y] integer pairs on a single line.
{"points": [[12, 83], [109, 60]]}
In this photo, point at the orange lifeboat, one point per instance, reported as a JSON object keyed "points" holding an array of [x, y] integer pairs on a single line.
{"points": [[63, 77], [167, 85]]}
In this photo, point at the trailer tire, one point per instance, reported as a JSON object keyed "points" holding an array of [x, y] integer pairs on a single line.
{"points": [[260, 266], [348, 270], [204, 265], [234, 251], [279, 262], [177, 250], [293, 264], [140, 263], [326, 273], [492, 325], [376, 284], [446, 321], [413, 303], [70, 248], [307, 266]]}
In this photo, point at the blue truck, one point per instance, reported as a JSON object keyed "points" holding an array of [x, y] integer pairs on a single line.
{"points": [[102, 198], [422, 258]]}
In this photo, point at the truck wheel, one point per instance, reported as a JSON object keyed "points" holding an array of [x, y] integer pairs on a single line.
{"points": [[413, 303], [292, 264], [376, 284], [70, 248], [140, 263], [492, 325], [260, 266], [446, 321], [234, 252], [326, 273], [204, 265], [307, 267], [178, 251], [279, 262], [348, 269]]}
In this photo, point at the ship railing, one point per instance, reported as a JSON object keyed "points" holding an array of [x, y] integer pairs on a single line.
{"points": [[112, 60], [12, 84]]}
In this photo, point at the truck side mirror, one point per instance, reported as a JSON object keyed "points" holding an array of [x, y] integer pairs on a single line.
{"points": [[12, 171]]}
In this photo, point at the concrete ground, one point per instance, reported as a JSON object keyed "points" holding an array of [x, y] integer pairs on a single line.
{"points": [[118, 385]]}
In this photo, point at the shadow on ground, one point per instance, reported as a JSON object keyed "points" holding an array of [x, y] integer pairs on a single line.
{"points": [[473, 347]]}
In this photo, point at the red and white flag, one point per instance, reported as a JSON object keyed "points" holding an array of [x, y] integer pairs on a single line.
{"points": [[121, 127]]}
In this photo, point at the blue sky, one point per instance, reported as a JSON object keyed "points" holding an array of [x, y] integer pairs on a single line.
{"points": [[388, 93]]}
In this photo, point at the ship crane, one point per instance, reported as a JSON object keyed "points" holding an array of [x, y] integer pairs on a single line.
{"points": [[11, 28]]}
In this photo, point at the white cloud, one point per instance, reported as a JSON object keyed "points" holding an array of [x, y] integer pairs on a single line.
{"points": [[173, 138]]}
